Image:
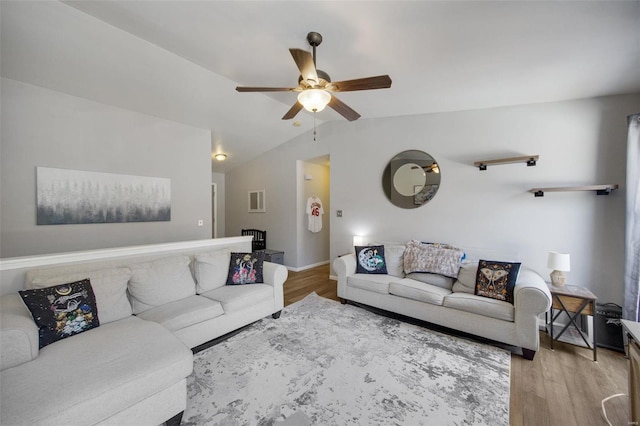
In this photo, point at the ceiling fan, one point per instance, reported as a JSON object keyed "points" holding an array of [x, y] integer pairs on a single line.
{"points": [[316, 88]]}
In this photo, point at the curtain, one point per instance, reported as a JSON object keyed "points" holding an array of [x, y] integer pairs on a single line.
{"points": [[631, 309]]}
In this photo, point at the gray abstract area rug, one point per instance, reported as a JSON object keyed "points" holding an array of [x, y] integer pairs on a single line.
{"points": [[324, 363]]}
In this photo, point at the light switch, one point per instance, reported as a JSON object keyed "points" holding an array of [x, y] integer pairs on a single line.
{"points": [[200, 222], [339, 213]]}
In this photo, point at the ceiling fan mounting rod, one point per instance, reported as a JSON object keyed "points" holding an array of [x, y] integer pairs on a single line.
{"points": [[314, 40]]}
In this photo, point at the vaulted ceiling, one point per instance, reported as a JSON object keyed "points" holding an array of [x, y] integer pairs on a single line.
{"points": [[181, 60]]}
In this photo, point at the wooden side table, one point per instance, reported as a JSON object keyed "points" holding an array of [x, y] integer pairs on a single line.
{"points": [[573, 301]]}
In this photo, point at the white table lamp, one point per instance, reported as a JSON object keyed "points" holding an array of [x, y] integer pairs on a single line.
{"points": [[560, 263], [358, 240]]}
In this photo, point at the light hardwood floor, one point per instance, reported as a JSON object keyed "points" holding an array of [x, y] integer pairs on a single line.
{"points": [[560, 387]]}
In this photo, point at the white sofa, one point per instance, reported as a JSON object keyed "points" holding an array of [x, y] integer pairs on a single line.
{"points": [[449, 302], [154, 306]]}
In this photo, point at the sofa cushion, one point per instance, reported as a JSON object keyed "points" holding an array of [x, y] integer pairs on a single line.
{"points": [[62, 310], [496, 280], [211, 270], [370, 260], [237, 297], [183, 313], [109, 286], [433, 279], [245, 268], [480, 305], [19, 341], [417, 290], [466, 281], [394, 258], [86, 379], [161, 281], [371, 282]]}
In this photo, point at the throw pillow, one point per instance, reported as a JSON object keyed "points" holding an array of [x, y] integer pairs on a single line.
{"points": [[496, 280], [370, 260], [109, 286], [62, 311], [246, 268]]}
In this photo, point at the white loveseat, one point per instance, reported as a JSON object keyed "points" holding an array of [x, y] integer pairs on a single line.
{"points": [[449, 302], [155, 303]]}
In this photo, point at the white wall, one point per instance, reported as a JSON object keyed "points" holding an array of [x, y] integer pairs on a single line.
{"points": [[42, 127], [276, 173], [579, 142]]}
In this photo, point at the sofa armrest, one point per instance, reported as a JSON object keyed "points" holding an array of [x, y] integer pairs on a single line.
{"points": [[275, 275], [531, 294], [344, 266], [19, 341]]}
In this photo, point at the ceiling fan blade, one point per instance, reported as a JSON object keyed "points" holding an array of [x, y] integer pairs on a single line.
{"points": [[367, 83], [295, 109], [343, 109], [266, 89], [304, 61]]}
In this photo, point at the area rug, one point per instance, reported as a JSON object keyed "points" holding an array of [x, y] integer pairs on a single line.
{"points": [[324, 363]]}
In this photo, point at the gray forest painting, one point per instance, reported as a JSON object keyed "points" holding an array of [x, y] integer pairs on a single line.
{"points": [[75, 196]]}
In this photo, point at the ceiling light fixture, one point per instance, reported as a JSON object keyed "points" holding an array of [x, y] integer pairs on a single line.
{"points": [[220, 157], [314, 100]]}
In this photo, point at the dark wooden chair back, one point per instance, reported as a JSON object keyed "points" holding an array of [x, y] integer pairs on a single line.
{"points": [[259, 238]]}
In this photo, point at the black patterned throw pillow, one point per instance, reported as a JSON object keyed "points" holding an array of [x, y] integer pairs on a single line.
{"points": [[496, 280], [246, 268], [370, 260], [62, 310]]}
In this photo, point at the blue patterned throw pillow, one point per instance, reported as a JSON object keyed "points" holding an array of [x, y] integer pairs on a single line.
{"points": [[370, 260], [62, 311], [246, 268], [496, 280]]}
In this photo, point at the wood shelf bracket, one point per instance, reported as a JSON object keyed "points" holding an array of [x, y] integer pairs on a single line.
{"points": [[599, 189], [530, 160]]}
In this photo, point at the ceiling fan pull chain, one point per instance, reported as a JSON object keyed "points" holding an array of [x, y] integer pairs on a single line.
{"points": [[314, 126]]}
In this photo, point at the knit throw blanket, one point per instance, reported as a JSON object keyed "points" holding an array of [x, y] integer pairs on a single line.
{"points": [[440, 259]]}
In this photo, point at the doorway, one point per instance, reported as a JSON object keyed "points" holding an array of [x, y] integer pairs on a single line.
{"points": [[214, 210], [313, 242]]}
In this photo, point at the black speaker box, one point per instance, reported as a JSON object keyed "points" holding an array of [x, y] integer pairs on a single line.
{"points": [[608, 326]]}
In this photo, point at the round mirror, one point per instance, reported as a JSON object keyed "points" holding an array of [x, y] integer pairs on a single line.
{"points": [[411, 179]]}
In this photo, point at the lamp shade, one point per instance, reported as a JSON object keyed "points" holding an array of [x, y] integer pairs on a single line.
{"points": [[558, 261], [314, 100], [358, 240]]}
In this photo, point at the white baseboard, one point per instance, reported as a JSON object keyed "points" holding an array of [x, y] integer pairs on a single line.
{"points": [[304, 268], [333, 277]]}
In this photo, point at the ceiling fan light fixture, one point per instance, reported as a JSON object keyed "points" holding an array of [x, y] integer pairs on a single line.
{"points": [[314, 100]]}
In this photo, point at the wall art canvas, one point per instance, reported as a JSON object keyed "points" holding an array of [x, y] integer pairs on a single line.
{"points": [[75, 196]]}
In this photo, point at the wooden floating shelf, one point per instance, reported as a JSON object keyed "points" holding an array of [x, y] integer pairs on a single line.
{"points": [[530, 160], [600, 189]]}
